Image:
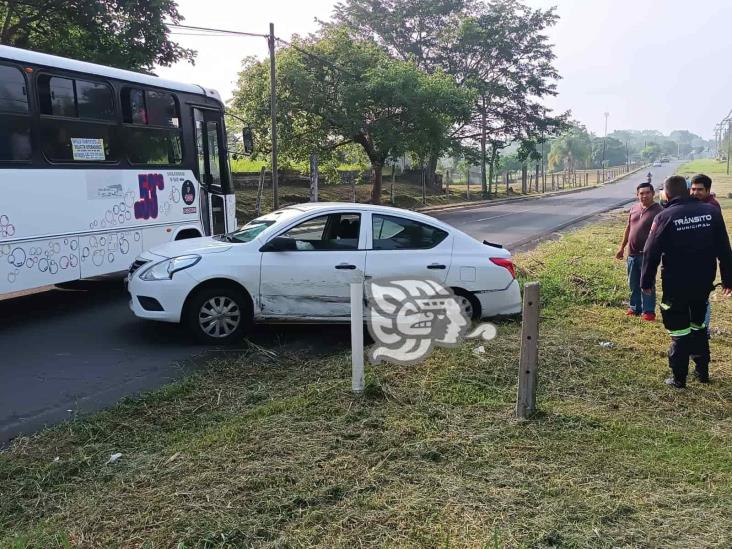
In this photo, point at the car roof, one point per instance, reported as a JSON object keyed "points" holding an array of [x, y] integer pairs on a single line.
{"points": [[355, 206], [54, 61]]}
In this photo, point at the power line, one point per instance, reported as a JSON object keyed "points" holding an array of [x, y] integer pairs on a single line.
{"points": [[212, 32], [319, 58], [217, 31]]}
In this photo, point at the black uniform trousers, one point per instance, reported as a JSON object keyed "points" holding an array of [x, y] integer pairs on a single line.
{"points": [[683, 317]]}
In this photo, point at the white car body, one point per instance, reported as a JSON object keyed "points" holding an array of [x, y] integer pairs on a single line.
{"points": [[314, 285]]}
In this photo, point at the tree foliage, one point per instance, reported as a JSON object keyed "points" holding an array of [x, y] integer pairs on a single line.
{"points": [[571, 150], [614, 152], [334, 89], [128, 34], [498, 49]]}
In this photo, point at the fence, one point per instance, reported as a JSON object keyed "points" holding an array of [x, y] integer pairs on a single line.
{"points": [[533, 181]]}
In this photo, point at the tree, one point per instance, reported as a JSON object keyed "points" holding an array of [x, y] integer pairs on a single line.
{"points": [[652, 151], [614, 151], [127, 34], [498, 49], [669, 148], [572, 149], [334, 90]]}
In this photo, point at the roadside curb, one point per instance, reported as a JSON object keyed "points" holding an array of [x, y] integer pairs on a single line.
{"points": [[482, 203]]}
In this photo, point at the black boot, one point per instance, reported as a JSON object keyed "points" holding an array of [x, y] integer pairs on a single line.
{"points": [[700, 355], [676, 384]]}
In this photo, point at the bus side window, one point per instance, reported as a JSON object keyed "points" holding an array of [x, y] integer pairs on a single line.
{"points": [[163, 109], [154, 139], [85, 132], [15, 133], [134, 110]]}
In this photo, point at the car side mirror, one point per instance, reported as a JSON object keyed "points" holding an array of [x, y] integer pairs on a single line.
{"points": [[280, 244]]}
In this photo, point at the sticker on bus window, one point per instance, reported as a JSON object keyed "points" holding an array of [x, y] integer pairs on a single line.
{"points": [[88, 149]]}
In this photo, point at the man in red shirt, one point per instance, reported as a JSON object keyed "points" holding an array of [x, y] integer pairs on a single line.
{"points": [[701, 189], [636, 232]]}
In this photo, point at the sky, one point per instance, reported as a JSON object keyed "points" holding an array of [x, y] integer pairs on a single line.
{"points": [[651, 64]]}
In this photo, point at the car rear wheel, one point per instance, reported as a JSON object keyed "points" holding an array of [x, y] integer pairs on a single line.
{"points": [[219, 316], [468, 303]]}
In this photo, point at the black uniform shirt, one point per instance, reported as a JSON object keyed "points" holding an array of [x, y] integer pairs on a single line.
{"points": [[688, 236]]}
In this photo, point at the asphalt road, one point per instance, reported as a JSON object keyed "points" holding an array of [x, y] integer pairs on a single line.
{"points": [[515, 224], [70, 352]]}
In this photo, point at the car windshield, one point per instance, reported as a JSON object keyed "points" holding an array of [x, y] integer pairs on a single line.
{"points": [[250, 231], [254, 228]]}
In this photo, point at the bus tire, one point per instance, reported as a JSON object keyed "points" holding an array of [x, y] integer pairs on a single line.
{"points": [[219, 315]]}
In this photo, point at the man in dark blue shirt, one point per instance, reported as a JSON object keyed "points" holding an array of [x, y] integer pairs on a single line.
{"points": [[688, 237]]}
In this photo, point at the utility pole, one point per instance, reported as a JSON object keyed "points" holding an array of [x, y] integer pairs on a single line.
{"points": [[627, 158], [273, 99], [604, 145], [729, 140]]}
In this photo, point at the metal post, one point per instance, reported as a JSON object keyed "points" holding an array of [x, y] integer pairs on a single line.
{"points": [[424, 185], [529, 360], [273, 101], [729, 141], [357, 378], [604, 145], [313, 178], [260, 186]]}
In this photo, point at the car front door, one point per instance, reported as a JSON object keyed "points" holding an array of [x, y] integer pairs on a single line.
{"points": [[402, 248], [310, 277]]}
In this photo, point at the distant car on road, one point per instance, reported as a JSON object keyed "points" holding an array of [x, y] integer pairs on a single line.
{"points": [[657, 164], [664, 160], [297, 264]]}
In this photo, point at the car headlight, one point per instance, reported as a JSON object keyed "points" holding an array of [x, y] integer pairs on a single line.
{"points": [[165, 269]]}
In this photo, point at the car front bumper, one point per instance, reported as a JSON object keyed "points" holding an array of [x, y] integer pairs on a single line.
{"points": [[169, 294]]}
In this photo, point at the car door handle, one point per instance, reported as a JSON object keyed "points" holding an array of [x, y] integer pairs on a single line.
{"points": [[347, 266], [436, 266]]}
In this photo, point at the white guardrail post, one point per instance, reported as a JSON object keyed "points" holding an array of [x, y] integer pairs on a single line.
{"points": [[357, 377]]}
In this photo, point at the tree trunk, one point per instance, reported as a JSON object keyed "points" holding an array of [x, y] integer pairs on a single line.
{"points": [[483, 182], [376, 188], [492, 167], [432, 172], [4, 39]]}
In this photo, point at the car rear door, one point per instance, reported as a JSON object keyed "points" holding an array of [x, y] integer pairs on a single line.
{"points": [[403, 248]]}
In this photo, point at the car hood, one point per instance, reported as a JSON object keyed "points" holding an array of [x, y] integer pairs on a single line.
{"points": [[199, 246]]}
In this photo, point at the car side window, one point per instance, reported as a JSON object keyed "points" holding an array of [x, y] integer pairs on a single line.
{"points": [[332, 232], [398, 233]]}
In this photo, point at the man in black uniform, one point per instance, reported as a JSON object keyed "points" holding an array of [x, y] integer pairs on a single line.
{"points": [[689, 237]]}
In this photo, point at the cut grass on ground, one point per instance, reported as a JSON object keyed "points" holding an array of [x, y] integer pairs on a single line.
{"points": [[274, 451]]}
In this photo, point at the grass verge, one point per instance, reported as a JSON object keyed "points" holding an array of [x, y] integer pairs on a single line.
{"points": [[271, 450]]}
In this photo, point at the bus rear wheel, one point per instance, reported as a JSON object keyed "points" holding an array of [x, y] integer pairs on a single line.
{"points": [[219, 315]]}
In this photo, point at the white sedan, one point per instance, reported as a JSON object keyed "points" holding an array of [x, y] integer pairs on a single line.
{"points": [[297, 264]]}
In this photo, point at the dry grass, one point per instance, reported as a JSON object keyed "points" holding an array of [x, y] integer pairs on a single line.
{"points": [[270, 451]]}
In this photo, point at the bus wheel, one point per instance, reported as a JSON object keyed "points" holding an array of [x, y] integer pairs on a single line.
{"points": [[219, 315]]}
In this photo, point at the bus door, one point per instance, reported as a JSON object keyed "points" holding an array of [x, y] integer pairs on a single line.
{"points": [[213, 173]]}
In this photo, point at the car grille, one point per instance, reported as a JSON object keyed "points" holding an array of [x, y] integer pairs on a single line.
{"points": [[137, 264]]}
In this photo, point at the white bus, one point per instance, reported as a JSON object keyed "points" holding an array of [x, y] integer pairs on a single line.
{"points": [[98, 164]]}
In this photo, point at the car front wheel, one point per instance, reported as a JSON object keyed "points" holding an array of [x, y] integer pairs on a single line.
{"points": [[219, 316]]}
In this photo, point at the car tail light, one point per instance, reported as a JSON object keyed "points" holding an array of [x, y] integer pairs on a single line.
{"points": [[506, 264]]}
